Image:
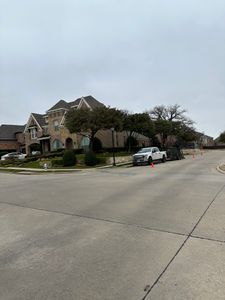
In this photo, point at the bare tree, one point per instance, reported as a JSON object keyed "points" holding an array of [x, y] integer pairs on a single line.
{"points": [[170, 113], [171, 120]]}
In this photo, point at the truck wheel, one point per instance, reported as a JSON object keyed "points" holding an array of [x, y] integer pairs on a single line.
{"points": [[150, 160], [163, 159]]}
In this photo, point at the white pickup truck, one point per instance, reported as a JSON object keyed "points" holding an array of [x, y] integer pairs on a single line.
{"points": [[148, 155]]}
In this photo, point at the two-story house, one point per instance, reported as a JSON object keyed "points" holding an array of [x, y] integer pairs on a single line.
{"points": [[46, 132]]}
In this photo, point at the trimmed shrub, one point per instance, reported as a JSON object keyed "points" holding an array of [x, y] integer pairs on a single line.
{"points": [[52, 154], [90, 158], [57, 163], [79, 151], [101, 160], [69, 158], [31, 158]]}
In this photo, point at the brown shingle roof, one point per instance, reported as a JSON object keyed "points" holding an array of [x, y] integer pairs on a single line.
{"points": [[40, 119], [91, 101], [8, 132], [60, 104]]}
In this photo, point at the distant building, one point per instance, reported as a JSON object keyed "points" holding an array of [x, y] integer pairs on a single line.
{"points": [[12, 138], [205, 140]]}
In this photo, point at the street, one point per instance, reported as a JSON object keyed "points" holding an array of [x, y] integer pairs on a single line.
{"points": [[127, 233]]}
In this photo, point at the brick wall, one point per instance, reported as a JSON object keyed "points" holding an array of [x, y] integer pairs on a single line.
{"points": [[9, 145]]}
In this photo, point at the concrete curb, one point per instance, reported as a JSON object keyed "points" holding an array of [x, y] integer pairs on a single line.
{"points": [[33, 170], [219, 169], [38, 170]]}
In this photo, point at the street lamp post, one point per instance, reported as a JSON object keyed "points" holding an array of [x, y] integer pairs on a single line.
{"points": [[113, 147]]}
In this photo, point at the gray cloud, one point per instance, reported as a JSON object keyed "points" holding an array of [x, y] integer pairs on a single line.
{"points": [[129, 54]]}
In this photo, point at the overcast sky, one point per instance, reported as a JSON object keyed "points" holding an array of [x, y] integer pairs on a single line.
{"points": [[127, 54]]}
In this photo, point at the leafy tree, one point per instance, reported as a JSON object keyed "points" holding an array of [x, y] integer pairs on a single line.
{"points": [[91, 121], [222, 137], [137, 123], [131, 142], [186, 133]]}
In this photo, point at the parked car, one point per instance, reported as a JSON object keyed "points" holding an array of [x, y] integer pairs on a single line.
{"points": [[174, 153], [148, 155], [13, 155], [36, 153]]}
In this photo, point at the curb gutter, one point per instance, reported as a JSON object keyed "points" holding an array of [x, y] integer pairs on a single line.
{"points": [[219, 168]]}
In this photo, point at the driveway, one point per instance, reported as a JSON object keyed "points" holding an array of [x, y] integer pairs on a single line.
{"points": [[116, 234]]}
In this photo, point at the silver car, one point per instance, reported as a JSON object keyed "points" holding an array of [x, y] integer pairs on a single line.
{"points": [[13, 155]]}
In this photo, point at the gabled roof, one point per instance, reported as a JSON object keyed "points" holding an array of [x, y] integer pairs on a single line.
{"points": [[60, 104], [91, 102], [74, 103], [8, 132], [40, 119]]}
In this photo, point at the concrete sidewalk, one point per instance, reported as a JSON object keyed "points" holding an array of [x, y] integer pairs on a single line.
{"points": [[60, 169]]}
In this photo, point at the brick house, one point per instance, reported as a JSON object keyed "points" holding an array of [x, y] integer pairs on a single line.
{"points": [[46, 132], [206, 140], [12, 138]]}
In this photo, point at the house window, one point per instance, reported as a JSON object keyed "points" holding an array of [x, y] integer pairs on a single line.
{"points": [[56, 125], [46, 119], [33, 133], [45, 130], [85, 142], [57, 144]]}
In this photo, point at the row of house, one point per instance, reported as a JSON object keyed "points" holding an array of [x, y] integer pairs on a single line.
{"points": [[47, 132]]}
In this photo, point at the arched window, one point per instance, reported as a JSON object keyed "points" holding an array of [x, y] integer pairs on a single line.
{"points": [[56, 125], [57, 144], [69, 143], [85, 142]]}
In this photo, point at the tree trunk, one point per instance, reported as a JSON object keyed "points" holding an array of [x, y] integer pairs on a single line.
{"points": [[92, 136]]}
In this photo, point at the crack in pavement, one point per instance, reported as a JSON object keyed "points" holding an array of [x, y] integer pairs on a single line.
{"points": [[182, 245], [207, 239], [93, 218], [113, 222]]}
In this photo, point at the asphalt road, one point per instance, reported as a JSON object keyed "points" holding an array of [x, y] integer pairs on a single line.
{"points": [[116, 234]]}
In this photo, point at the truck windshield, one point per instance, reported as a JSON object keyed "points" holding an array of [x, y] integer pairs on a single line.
{"points": [[145, 150]]}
